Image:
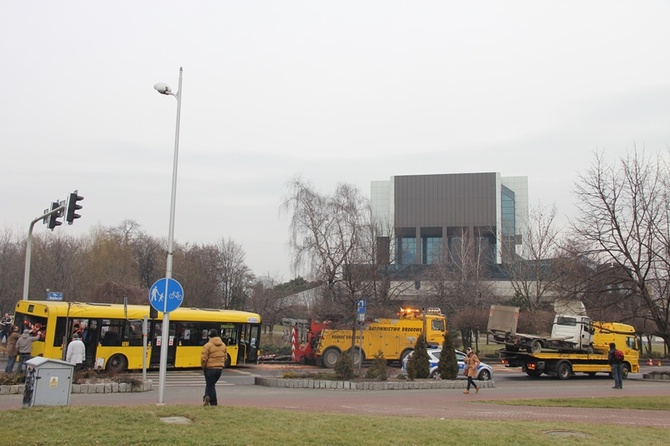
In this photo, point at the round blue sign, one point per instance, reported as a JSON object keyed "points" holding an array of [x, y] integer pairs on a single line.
{"points": [[166, 295]]}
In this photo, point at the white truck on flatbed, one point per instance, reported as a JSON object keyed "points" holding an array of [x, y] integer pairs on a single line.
{"points": [[576, 344], [569, 332]]}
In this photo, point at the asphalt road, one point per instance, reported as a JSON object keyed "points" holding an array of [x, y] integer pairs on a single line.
{"points": [[237, 389]]}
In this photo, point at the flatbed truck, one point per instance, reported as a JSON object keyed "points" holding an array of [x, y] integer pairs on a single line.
{"points": [[563, 365]]}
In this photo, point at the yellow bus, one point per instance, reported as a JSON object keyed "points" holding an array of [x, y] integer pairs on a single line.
{"points": [[113, 335]]}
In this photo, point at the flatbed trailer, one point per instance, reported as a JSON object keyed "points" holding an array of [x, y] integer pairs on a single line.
{"points": [[563, 365]]}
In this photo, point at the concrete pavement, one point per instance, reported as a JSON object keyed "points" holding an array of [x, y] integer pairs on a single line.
{"points": [[440, 404]]}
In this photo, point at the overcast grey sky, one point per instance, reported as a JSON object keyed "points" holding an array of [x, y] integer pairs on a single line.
{"points": [[333, 91]]}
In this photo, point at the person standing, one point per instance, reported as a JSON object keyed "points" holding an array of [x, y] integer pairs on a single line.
{"points": [[12, 350], [25, 346], [616, 363], [5, 327], [212, 359], [471, 363], [76, 352]]}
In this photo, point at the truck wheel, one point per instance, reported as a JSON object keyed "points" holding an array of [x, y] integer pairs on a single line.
{"points": [[330, 357], [563, 370], [404, 354], [535, 347], [358, 357]]}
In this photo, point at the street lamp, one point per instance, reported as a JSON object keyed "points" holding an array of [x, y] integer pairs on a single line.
{"points": [[163, 88]]}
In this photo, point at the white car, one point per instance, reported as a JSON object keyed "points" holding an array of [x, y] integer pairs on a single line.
{"points": [[485, 372]]}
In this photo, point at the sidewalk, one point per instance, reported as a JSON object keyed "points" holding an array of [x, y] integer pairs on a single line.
{"points": [[438, 404]]}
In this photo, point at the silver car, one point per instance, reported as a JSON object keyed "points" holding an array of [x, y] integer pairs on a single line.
{"points": [[484, 371]]}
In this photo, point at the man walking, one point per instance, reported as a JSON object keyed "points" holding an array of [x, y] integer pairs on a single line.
{"points": [[615, 360], [212, 360]]}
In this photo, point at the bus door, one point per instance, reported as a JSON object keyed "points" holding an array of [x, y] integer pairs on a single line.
{"points": [[248, 343], [156, 334]]}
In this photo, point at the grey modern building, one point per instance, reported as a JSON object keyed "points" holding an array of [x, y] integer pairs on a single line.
{"points": [[432, 217]]}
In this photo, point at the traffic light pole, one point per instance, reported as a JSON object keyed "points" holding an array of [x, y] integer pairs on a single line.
{"points": [[29, 247]]}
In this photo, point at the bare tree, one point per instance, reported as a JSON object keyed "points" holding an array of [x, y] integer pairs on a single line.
{"points": [[265, 299], [148, 254], [197, 269], [623, 219], [326, 235], [458, 280], [12, 258], [333, 237], [534, 274], [234, 276], [57, 266]]}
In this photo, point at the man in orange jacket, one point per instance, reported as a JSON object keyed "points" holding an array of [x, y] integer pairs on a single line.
{"points": [[212, 360]]}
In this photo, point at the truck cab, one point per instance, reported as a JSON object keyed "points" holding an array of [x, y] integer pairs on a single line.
{"points": [[573, 329]]}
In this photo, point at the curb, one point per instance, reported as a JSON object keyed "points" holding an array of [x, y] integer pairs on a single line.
{"points": [[377, 385], [87, 388]]}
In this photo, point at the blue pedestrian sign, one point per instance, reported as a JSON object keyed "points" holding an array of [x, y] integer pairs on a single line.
{"points": [[360, 309], [166, 295]]}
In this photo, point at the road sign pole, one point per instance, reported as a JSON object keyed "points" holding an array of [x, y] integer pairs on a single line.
{"points": [[170, 293], [164, 348], [168, 272]]}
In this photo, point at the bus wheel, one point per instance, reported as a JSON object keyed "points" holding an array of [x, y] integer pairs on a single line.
{"points": [[563, 370], [625, 370], [117, 364], [330, 357]]}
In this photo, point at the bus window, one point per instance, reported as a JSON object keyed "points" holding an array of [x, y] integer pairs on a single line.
{"points": [[134, 333], [111, 332], [36, 325], [193, 334], [229, 335]]}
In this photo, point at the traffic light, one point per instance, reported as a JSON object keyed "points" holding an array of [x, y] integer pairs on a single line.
{"points": [[53, 218], [73, 207]]}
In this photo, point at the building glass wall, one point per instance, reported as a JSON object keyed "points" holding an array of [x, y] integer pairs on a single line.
{"points": [[508, 229], [431, 250], [407, 250]]}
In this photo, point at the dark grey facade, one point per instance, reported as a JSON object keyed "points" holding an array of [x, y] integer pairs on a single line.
{"points": [[445, 217]]}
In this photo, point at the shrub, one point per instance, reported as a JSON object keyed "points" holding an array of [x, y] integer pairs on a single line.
{"points": [[419, 361], [448, 366], [12, 379], [378, 368], [344, 367]]}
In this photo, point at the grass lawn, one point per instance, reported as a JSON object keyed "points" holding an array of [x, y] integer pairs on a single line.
{"points": [[251, 426], [626, 402]]}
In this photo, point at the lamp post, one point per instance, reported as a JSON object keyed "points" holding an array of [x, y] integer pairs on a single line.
{"points": [[163, 88]]}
